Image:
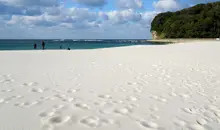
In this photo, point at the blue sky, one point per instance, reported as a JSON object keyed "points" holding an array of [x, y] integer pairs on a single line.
{"points": [[83, 19]]}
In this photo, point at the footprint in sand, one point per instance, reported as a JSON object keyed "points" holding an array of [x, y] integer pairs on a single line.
{"points": [[44, 98], [148, 124], [99, 103], [154, 108], [6, 79], [72, 90], [27, 104], [91, 121], [59, 107], [172, 94], [46, 114], [107, 121], [7, 90], [123, 90], [94, 121], [161, 99], [106, 111], [164, 100], [155, 117], [217, 114], [118, 102], [201, 121], [56, 120], [23, 104], [105, 96], [57, 91], [64, 98], [131, 98], [47, 98], [37, 90], [202, 94], [60, 96], [184, 96], [117, 111], [154, 97], [137, 90], [195, 127], [132, 106], [68, 99], [122, 111], [29, 84], [129, 83], [82, 106], [36, 103], [18, 97], [8, 99], [189, 110]]}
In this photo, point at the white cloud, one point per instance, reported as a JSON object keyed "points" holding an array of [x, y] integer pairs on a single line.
{"points": [[147, 18], [124, 16], [168, 5], [67, 17], [130, 4], [81, 14], [56, 20]]}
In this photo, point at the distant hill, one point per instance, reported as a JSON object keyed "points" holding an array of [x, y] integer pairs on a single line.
{"points": [[200, 21]]}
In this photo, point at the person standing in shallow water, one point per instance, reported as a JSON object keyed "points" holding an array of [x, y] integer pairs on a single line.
{"points": [[43, 45], [35, 46]]}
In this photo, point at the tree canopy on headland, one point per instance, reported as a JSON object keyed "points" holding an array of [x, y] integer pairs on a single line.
{"points": [[200, 21]]}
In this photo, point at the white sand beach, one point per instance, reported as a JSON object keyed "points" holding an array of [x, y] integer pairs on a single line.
{"points": [[158, 87]]}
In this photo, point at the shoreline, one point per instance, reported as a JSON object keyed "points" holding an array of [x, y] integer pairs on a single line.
{"points": [[181, 40]]}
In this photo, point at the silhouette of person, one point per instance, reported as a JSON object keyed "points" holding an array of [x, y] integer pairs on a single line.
{"points": [[35, 46], [60, 47], [43, 45]]}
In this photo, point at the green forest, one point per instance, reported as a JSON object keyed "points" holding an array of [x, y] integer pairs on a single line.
{"points": [[200, 21]]}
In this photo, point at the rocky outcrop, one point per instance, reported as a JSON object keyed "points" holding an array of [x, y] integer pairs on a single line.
{"points": [[154, 35]]}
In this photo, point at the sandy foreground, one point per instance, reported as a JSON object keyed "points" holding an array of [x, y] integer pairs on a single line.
{"points": [[160, 87]]}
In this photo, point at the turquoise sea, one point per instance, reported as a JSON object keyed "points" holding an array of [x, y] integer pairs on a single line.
{"points": [[64, 44]]}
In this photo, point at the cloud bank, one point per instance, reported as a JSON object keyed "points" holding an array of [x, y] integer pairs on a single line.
{"points": [[128, 19]]}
